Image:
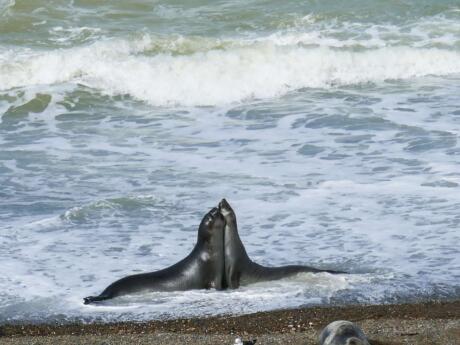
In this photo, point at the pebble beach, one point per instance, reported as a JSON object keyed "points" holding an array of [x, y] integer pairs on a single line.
{"points": [[429, 323]]}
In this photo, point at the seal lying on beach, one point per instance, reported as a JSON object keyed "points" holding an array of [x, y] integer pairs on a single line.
{"points": [[239, 268], [342, 333], [203, 268]]}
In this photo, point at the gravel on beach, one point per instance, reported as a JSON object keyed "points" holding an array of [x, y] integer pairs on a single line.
{"points": [[430, 323]]}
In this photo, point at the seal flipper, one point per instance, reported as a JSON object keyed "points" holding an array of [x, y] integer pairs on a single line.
{"points": [[257, 272], [91, 299], [333, 272]]}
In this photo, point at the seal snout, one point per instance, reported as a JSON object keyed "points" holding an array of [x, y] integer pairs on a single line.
{"points": [[214, 216], [226, 210], [223, 204]]}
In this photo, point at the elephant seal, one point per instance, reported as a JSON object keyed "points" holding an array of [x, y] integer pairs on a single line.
{"points": [[342, 333], [239, 268], [203, 268]]}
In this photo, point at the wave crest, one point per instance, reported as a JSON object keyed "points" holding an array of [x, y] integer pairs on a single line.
{"points": [[221, 73]]}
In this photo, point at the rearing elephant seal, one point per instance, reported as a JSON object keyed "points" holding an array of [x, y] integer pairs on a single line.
{"points": [[239, 268], [342, 333], [203, 268]]}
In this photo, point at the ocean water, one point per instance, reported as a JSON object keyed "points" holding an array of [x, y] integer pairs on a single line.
{"points": [[332, 127]]}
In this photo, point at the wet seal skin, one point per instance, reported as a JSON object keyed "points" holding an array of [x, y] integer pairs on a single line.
{"points": [[218, 260], [239, 268], [342, 333], [203, 268]]}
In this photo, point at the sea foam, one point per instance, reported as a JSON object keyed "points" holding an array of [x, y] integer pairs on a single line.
{"points": [[217, 76]]}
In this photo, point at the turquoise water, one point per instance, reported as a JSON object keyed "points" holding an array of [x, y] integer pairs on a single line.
{"points": [[331, 127]]}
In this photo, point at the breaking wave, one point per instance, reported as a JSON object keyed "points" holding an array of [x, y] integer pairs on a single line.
{"points": [[212, 72]]}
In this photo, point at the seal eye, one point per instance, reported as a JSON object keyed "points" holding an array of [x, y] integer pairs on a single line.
{"points": [[209, 222]]}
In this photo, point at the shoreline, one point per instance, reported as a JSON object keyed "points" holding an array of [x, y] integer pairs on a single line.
{"points": [[433, 322]]}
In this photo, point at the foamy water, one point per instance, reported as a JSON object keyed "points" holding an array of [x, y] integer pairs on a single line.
{"points": [[333, 135], [219, 77]]}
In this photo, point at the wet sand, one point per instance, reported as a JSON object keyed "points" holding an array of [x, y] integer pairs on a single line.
{"points": [[430, 323]]}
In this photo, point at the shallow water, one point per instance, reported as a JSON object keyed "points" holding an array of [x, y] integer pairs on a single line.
{"points": [[332, 131]]}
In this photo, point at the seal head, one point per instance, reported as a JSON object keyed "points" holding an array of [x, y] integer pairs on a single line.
{"points": [[342, 333]]}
